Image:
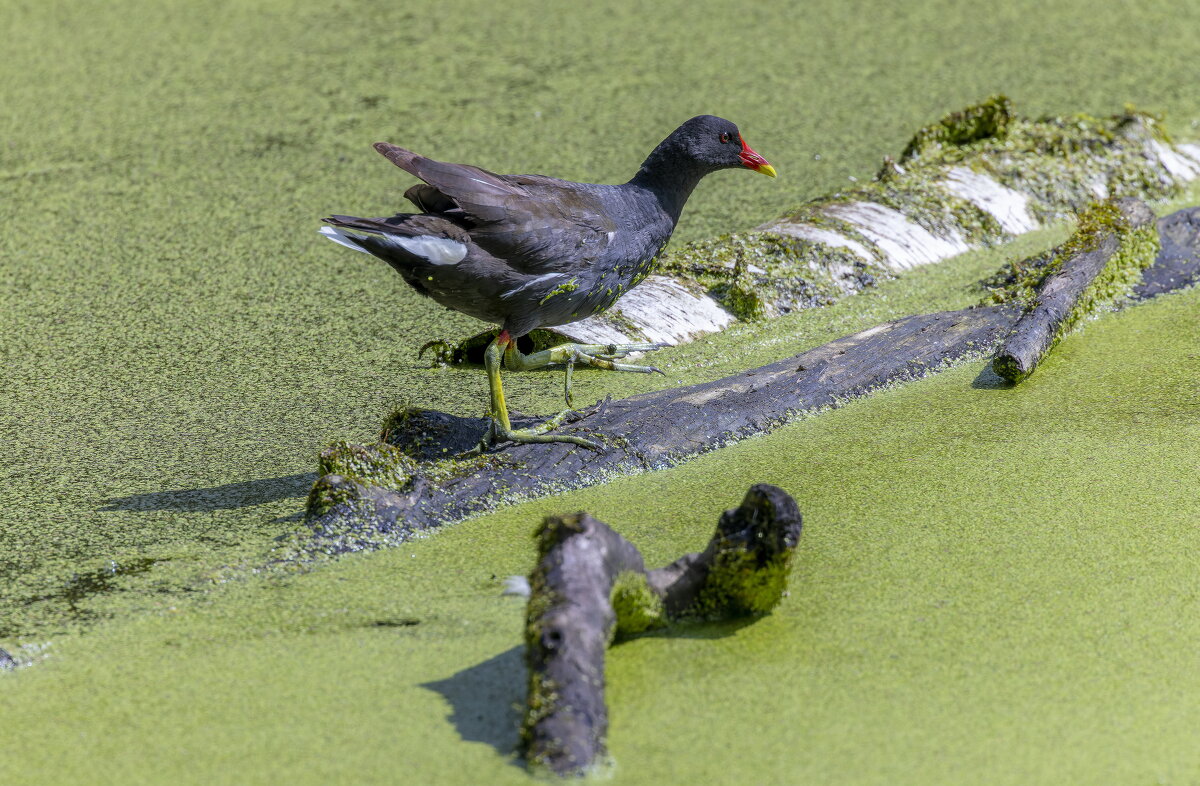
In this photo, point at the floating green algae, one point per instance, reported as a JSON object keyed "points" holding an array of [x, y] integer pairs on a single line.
{"points": [[178, 343], [929, 631]]}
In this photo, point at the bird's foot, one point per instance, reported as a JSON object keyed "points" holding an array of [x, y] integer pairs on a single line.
{"points": [[442, 351], [602, 356], [497, 432], [614, 351]]}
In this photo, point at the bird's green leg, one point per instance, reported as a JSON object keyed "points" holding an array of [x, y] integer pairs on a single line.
{"points": [[501, 428], [567, 382]]}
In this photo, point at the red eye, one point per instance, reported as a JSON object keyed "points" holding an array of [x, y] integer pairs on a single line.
{"points": [[724, 138]]}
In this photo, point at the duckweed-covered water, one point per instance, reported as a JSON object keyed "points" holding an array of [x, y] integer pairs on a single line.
{"points": [[177, 343]]}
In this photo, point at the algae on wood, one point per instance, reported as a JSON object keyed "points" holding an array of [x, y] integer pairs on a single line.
{"points": [[648, 431], [977, 177], [591, 585], [1102, 261], [654, 430]]}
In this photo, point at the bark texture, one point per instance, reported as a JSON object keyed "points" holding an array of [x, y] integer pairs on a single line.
{"points": [[1178, 263], [657, 429], [1059, 295], [590, 585], [649, 431]]}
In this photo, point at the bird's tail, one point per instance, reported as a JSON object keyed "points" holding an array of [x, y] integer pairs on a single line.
{"points": [[386, 238], [343, 238]]}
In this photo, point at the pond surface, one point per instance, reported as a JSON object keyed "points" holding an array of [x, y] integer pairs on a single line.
{"points": [[177, 344]]}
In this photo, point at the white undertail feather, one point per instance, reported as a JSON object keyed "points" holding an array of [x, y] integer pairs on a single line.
{"points": [[435, 250], [341, 238]]}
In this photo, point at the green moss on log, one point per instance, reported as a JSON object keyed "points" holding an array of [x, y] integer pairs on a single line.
{"points": [[738, 584], [1137, 249], [756, 275], [1018, 281], [380, 464], [638, 608], [987, 120], [329, 491]]}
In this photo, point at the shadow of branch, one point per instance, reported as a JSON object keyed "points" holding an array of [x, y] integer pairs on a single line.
{"points": [[486, 700], [226, 497]]}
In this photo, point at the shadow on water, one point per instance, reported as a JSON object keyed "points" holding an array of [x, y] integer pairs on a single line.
{"points": [[990, 380], [226, 497], [70, 595], [486, 700], [717, 629]]}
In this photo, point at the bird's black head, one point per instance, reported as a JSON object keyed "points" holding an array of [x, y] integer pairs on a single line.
{"points": [[711, 143]]}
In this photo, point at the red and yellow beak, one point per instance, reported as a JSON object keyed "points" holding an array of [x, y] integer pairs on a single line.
{"points": [[752, 160]]}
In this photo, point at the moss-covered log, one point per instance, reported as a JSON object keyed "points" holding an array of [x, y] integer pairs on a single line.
{"points": [[648, 431], [590, 586], [362, 506], [977, 177], [1103, 260]]}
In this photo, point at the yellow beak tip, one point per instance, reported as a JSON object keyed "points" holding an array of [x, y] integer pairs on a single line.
{"points": [[767, 170]]}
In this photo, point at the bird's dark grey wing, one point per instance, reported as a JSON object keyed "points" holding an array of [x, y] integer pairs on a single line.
{"points": [[537, 224]]}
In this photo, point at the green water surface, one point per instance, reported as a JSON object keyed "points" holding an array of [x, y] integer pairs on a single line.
{"points": [[994, 585], [177, 343]]}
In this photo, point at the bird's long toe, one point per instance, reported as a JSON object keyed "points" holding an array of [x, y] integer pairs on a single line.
{"points": [[538, 434]]}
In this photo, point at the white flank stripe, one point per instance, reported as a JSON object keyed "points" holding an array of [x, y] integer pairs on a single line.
{"points": [[437, 250], [544, 278], [341, 238]]}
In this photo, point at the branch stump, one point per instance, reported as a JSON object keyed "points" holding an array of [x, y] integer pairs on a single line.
{"points": [[590, 586]]}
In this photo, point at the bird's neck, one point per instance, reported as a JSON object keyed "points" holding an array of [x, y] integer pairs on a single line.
{"points": [[670, 178]]}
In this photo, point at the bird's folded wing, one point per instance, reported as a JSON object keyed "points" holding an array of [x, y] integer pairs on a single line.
{"points": [[537, 224]]}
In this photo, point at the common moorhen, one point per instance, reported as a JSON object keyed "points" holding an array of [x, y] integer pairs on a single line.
{"points": [[529, 251]]}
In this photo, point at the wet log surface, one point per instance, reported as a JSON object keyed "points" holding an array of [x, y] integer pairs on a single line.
{"points": [[1178, 264], [654, 430], [570, 621], [1036, 331], [574, 613]]}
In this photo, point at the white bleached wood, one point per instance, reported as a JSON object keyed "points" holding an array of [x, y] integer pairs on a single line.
{"points": [[1178, 166], [1191, 151], [905, 244], [820, 235], [659, 309], [1010, 208]]}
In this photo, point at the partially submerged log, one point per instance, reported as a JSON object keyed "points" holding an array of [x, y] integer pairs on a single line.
{"points": [[1178, 262], [374, 496], [644, 432], [591, 585], [975, 178], [1103, 260]]}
